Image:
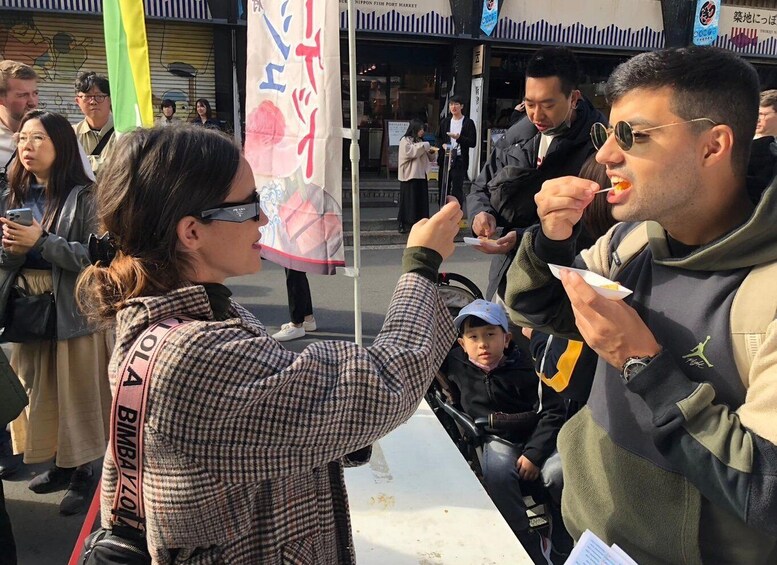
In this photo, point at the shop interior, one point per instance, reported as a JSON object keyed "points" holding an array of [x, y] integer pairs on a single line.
{"points": [[394, 82]]}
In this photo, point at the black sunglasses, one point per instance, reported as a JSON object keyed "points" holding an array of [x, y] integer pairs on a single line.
{"points": [[237, 213], [625, 134]]}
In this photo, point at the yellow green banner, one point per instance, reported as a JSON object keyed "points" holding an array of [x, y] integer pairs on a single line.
{"points": [[126, 49]]}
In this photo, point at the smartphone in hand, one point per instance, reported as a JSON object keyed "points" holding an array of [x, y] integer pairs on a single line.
{"points": [[21, 216]]}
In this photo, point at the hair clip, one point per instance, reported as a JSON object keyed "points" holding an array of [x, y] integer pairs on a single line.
{"points": [[102, 249]]}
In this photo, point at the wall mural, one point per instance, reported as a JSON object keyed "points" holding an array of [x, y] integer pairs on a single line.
{"points": [[59, 47]]}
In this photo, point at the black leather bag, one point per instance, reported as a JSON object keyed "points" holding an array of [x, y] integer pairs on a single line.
{"points": [[512, 193], [108, 547], [29, 317]]}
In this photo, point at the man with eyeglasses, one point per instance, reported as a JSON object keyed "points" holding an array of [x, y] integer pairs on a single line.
{"points": [[674, 458], [95, 132], [550, 141], [763, 156]]}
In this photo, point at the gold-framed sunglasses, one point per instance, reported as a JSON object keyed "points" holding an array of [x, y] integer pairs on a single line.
{"points": [[625, 135]]}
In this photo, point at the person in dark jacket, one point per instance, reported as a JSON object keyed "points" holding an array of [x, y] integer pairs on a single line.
{"points": [[762, 166], [457, 133], [492, 376], [551, 141]]}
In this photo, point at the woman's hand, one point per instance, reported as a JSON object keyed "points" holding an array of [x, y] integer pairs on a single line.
{"points": [[437, 232], [19, 239]]}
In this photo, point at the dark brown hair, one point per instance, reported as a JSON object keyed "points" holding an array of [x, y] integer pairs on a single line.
{"points": [[67, 170], [597, 216], [155, 178]]}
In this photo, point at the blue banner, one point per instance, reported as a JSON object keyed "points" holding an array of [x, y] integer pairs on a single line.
{"points": [[706, 22], [490, 16]]}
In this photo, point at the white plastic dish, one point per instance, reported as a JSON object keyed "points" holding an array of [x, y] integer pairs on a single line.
{"points": [[477, 242], [597, 282]]}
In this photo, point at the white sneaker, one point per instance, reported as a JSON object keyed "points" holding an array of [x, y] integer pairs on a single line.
{"points": [[309, 325], [289, 331]]}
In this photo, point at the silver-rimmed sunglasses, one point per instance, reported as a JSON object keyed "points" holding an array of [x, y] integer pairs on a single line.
{"points": [[237, 213], [625, 134]]}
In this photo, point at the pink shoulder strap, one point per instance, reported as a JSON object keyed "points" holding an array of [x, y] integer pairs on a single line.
{"points": [[127, 418]]}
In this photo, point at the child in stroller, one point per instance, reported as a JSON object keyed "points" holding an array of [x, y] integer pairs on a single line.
{"points": [[515, 418]]}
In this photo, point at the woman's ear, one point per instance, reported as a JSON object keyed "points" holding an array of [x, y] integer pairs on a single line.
{"points": [[189, 232]]}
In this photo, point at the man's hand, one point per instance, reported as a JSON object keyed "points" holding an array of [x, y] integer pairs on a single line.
{"points": [[437, 232], [19, 239], [484, 224], [612, 328], [500, 246], [560, 204], [527, 470]]}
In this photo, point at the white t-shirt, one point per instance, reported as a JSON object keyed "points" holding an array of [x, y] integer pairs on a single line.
{"points": [[455, 128], [7, 144], [545, 141]]}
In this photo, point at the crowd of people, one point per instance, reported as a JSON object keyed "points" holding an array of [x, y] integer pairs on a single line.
{"points": [[648, 419]]}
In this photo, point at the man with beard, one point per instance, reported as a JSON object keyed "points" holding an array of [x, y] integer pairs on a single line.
{"points": [[674, 457]]}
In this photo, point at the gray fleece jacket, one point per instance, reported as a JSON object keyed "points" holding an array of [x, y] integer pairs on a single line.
{"points": [[65, 248], [680, 464]]}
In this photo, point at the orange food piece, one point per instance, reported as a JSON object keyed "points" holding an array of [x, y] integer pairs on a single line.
{"points": [[609, 286], [622, 185]]}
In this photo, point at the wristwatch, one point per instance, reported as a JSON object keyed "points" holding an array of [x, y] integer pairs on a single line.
{"points": [[633, 366]]}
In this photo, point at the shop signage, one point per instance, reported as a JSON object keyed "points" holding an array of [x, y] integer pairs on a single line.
{"points": [[427, 17], [490, 16], [477, 59], [705, 22], [635, 24], [476, 113], [293, 131], [632, 24], [181, 9]]}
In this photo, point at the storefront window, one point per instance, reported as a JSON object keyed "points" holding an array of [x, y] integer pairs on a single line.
{"points": [[394, 82]]}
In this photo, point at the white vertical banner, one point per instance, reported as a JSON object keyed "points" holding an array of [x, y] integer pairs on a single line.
{"points": [[294, 130], [476, 115]]}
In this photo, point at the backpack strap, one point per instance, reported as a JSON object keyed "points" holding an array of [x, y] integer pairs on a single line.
{"points": [[754, 307], [628, 248], [103, 142]]}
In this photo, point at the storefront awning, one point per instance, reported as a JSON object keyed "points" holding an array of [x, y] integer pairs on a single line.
{"points": [[179, 9]]}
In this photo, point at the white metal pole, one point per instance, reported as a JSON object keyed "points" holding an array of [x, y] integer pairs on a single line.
{"points": [[357, 260]]}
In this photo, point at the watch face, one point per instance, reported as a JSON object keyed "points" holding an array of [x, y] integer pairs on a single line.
{"points": [[633, 366]]}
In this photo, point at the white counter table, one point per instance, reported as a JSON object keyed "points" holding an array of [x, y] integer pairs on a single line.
{"points": [[417, 502]]}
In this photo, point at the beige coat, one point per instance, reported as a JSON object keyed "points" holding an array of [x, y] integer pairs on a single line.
{"points": [[414, 159]]}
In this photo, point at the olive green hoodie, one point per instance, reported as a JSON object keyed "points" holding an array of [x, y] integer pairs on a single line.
{"points": [[680, 464]]}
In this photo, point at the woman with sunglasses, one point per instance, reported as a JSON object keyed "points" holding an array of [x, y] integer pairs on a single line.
{"points": [[244, 441], [65, 377]]}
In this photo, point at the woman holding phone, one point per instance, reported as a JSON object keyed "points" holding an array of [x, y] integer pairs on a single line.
{"points": [[66, 378]]}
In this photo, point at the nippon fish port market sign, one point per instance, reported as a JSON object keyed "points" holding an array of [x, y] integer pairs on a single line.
{"points": [[749, 31], [293, 131], [427, 17], [627, 24]]}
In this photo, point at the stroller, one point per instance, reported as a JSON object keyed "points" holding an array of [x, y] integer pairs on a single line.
{"points": [[468, 434]]}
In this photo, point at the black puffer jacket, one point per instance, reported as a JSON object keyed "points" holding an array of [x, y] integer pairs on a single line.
{"points": [[509, 195], [511, 388]]}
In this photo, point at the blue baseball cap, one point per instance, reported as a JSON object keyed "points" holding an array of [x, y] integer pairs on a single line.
{"points": [[487, 311]]}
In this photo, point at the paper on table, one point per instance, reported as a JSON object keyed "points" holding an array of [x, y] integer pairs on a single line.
{"points": [[590, 550], [599, 283]]}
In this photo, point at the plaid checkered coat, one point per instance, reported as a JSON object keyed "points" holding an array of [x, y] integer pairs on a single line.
{"points": [[245, 441]]}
